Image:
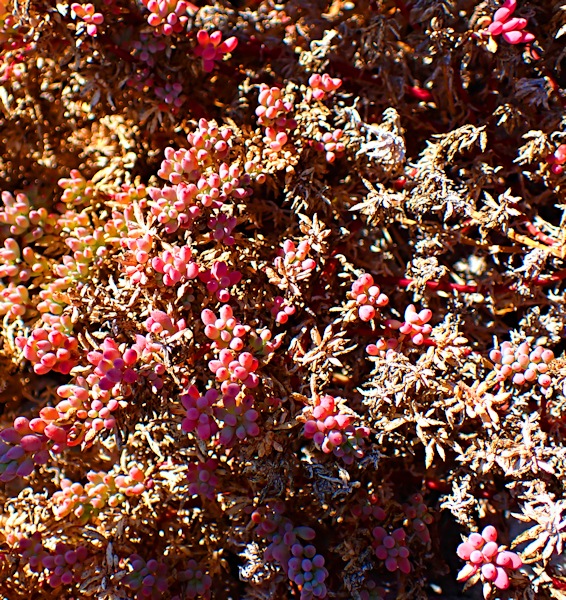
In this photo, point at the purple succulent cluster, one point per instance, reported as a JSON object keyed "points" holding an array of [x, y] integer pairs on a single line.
{"points": [[419, 517], [238, 417], [22, 447], [391, 548], [221, 227], [147, 579], [112, 365], [232, 415], [64, 565], [197, 581], [367, 508], [202, 479], [147, 47], [372, 591], [300, 562], [218, 279]]}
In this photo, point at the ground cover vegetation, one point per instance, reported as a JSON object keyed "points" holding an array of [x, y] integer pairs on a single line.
{"points": [[282, 290]]}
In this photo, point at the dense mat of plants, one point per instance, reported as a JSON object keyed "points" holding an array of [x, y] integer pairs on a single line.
{"points": [[282, 291]]}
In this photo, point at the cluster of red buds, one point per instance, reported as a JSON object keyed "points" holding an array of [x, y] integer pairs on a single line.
{"points": [[333, 431], [174, 206], [211, 48], [64, 565], [367, 297], [331, 145], [160, 323], [210, 141], [88, 14], [200, 180], [184, 201], [262, 342], [522, 363], [510, 28], [168, 16], [392, 549], [49, 349], [84, 401], [557, 160], [140, 246], [231, 367], [323, 84], [54, 298], [87, 244], [101, 490], [272, 112], [131, 194], [282, 310], [225, 329], [493, 562], [414, 329], [291, 265]]}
